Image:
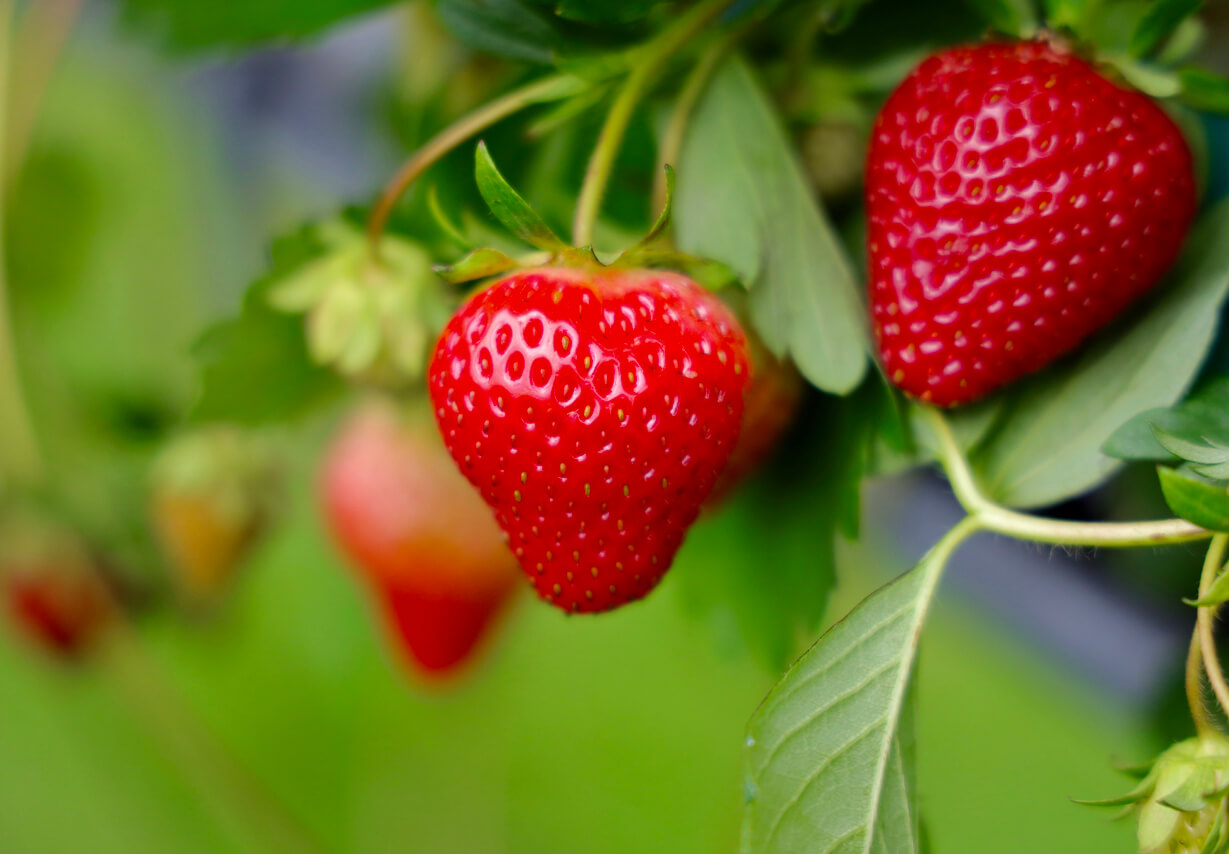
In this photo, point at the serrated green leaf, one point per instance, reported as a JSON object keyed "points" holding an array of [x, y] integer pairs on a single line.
{"points": [[1012, 17], [478, 264], [1048, 447], [193, 25], [1203, 414], [825, 763], [1162, 18], [508, 206], [743, 200], [1204, 90]]}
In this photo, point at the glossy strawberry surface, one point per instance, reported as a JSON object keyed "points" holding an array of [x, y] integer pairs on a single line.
{"points": [[1017, 201], [420, 537], [594, 410]]}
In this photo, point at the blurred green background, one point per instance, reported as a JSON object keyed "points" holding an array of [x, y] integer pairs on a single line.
{"points": [[135, 222]]}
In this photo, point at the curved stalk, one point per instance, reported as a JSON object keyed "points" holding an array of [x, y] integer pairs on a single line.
{"points": [[1194, 688], [445, 141], [1204, 621], [647, 66], [1023, 526]]}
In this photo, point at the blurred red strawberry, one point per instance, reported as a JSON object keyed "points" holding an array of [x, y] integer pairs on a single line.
{"points": [[419, 535]]}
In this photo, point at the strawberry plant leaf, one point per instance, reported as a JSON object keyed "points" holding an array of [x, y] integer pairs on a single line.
{"points": [[509, 207], [743, 200], [513, 29], [1204, 90], [1204, 414], [1195, 498], [827, 762], [256, 368], [189, 25], [1159, 23], [1048, 447], [1011, 17]]}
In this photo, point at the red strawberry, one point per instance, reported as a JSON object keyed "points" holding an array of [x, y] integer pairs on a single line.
{"points": [[770, 404], [419, 534], [594, 410], [1017, 201]]}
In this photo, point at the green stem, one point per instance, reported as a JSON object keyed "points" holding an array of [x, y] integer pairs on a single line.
{"points": [[448, 139], [245, 808], [647, 64], [684, 106], [1023, 526], [1194, 688], [20, 458], [1206, 615]]}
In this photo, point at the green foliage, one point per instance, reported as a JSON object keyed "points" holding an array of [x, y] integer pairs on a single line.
{"points": [[540, 31], [1195, 498], [1160, 22], [193, 25], [743, 199], [256, 367], [509, 207], [829, 757], [1204, 90], [1011, 17], [1049, 445], [1204, 414]]}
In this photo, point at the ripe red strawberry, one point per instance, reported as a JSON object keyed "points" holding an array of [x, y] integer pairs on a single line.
{"points": [[770, 404], [419, 534], [1017, 201], [594, 410]]}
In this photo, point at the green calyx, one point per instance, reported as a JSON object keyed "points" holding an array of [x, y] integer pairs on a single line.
{"points": [[516, 214], [371, 319], [1181, 801]]}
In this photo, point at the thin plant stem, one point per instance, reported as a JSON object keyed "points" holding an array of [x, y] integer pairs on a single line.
{"points": [[684, 106], [20, 457], [448, 139], [1194, 688], [647, 65], [1023, 526], [1207, 615]]}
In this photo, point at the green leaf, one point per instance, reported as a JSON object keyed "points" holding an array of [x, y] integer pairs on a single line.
{"points": [[513, 29], [1162, 18], [508, 206], [1204, 90], [602, 11], [827, 762], [1195, 499], [1204, 414], [192, 25], [478, 264], [743, 199], [663, 218], [256, 367], [1048, 447], [1012, 17]]}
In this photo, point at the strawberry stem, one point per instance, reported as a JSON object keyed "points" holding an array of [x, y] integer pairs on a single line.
{"points": [[20, 458], [645, 69], [448, 139], [1023, 526], [1204, 622], [1194, 688]]}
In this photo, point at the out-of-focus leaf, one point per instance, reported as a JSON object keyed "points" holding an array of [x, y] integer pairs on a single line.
{"points": [[1195, 499], [828, 766], [1049, 445], [194, 25], [743, 199], [1204, 414], [1204, 90], [256, 367], [1012, 17], [1207, 458], [1159, 24], [515, 29], [602, 11]]}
